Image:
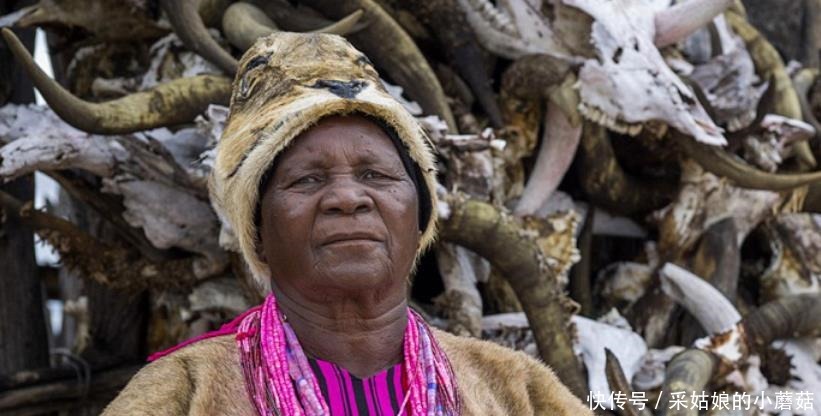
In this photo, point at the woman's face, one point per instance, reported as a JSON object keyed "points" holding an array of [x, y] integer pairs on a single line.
{"points": [[339, 215]]}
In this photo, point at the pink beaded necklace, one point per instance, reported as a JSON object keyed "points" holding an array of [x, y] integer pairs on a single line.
{"points": [[279, 379]]}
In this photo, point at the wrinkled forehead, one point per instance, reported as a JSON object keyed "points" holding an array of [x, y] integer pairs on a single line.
{"points": [[365, 132]]}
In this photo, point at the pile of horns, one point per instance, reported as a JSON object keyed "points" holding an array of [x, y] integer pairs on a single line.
{"points": [[634, 168]]}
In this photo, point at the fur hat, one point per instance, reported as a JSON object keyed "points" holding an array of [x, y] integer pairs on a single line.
{"points": [[287, 82]]}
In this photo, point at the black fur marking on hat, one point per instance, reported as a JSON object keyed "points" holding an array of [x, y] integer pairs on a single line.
{"points": [[344, 89], [257, 61]]}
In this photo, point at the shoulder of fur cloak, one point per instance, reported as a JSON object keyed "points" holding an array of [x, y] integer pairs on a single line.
{"points": [[205, 379], [495, 380]]}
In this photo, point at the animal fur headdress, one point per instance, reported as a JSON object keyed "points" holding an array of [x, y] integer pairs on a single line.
{"points": [[287, 82]]}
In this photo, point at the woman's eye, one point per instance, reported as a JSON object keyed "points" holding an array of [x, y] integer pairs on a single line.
{"points": [[372, 174], [307, 180]]}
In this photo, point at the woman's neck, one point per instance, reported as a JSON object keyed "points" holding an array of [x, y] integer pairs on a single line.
{"points": [[362, 337]]}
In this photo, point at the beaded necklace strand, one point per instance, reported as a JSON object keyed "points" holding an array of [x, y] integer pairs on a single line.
{"points": [[279, 379]]}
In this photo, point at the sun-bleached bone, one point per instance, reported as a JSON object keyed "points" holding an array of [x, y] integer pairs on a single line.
{"points": [[630, 82]]}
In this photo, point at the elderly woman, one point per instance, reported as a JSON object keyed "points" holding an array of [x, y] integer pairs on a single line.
{"points": [[326, 185]]}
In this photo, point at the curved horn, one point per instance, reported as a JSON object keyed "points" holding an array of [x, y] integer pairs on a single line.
{"points": [[534, 76], [608, 185], [683, 19], [802, 82], [243, 23], [344, 26], [788, 317], [393, 50], [175, 102], [689, 371], [447, 22], [717, 162], [191, 30], [619, 383], [560, 139], [521, 261], [711, 309], [769, 65]]}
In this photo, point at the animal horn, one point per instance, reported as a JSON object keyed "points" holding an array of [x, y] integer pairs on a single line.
{"points": [[244, 23], [618, 383], [188, 25], [710, 307], [787, 317], [175, 102], [560, 139], [718, 162], [689, 371], [608, 185], [393, 50], [534, 76], [344, 26], [676, 23]]}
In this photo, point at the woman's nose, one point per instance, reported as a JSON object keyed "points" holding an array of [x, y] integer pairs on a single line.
{"points": [[345, 196]]}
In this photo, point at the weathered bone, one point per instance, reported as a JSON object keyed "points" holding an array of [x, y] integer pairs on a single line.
{"points": [[528, 33], [188, 25], [795, 266], [139, 169], [770, 146], [681, 20], [630, 83], [769, 65], [112, 266], [730, 86], [594, 338], [651, 374], [462, 302], [705, 199], [172, 103], [709, 306], [106, 21]]}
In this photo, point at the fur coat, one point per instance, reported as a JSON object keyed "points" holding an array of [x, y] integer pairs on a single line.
{"points": [[205, 379]]}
